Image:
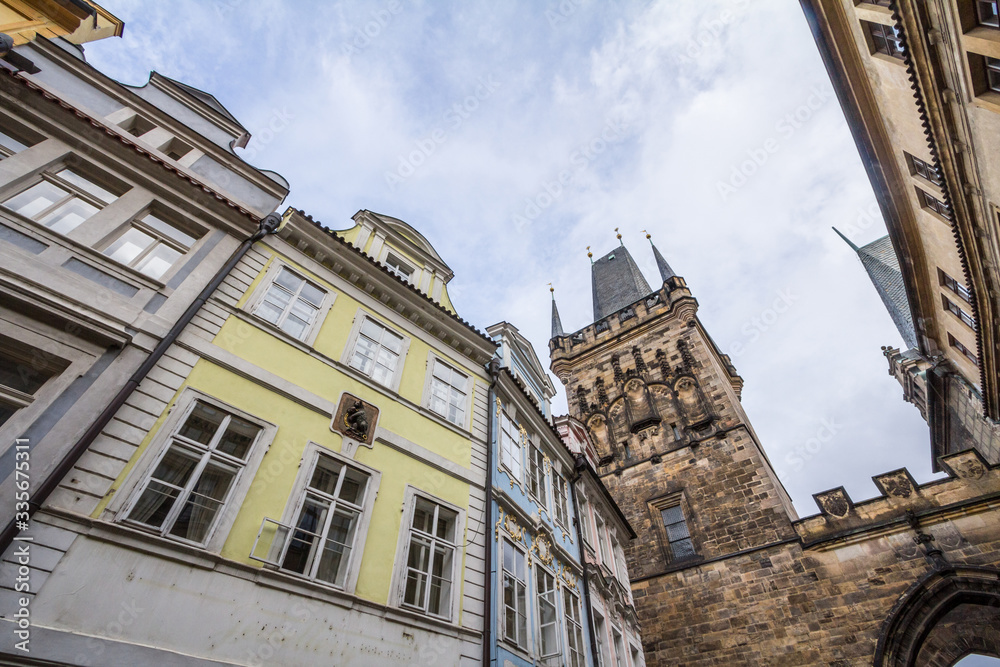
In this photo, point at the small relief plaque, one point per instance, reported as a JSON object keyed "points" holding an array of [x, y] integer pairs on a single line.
{"points": [[967, 465], [835, 503], [896, 484], [355, 419]]}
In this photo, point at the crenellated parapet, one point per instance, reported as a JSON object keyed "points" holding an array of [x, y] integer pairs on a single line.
{"points": [[903, 504]]}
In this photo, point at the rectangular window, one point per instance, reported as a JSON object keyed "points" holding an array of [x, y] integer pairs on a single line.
{"points": [[62, 200], [955, 310], [678, 536], [376, 352], [430, 560], [24, 370], [885, 39], [620, 563], [932, 203], [600, 635], [291, 303], [619, 647], [449, 392], [574, 628], [636, 655], [986, 13], [584, 520], [548, 614], [515, 617], [536, 476], [559, 499], [187, 489], [9, 145], [925, 170], [510, 445], [398, 267], [137, 125], [957, 344], [993, 73], [327, 523], [956, 287], [602, 539], [150, 246]]}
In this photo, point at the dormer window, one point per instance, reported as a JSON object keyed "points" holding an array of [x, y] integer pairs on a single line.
{"points": [[398, 267]]}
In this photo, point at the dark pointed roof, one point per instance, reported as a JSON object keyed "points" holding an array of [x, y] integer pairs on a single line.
{"points": [[617, 282], [557, 328], [882, 265], [665, 271]]}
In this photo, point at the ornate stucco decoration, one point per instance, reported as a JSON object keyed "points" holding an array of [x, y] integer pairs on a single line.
{"points": [[541, 546]]}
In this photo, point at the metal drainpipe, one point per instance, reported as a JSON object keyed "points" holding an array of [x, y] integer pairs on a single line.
{"points": [[494, 370], [269, 225], [581, 465]]}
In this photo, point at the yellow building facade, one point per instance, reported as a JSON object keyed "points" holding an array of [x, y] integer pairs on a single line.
{"points": [[78, 22]]}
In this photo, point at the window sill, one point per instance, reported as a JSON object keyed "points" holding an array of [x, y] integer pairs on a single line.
{"points": [[989, 100], [878, 55]]}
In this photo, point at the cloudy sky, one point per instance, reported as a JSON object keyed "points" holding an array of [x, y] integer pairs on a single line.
{"points": [[514, 134]]}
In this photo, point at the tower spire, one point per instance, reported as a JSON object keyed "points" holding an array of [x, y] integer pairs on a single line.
{"points": [[665, 271], [557, 328], [847, 240]]}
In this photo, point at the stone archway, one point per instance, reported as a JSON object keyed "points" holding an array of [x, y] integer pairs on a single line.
{"points": [[946, 616]]}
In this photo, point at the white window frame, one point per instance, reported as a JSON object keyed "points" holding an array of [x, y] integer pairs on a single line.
{"points": [[433, 358], [310, 458], [601, 623], [396, 264], [160, 238], [399, 574], [571, 597], [560, 500], [618, 642], [501, 571], [620, 568], [352, 341], [260, 292], [513, 453], [547, 658], [160, 445], [602, 542], [536, 475], [74, 191], [584, 519]]}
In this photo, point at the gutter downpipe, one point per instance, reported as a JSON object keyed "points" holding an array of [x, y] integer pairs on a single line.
{"points": [[580, 465], [268, 225], [494, 370]]}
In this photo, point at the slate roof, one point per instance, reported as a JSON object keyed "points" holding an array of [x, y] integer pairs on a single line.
{"points": [[617, 282]]}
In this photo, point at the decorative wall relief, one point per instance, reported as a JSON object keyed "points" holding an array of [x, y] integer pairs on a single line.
{"points": [[639, 406], [355, 420], [600, 434], [640, 364], [692, 403]]}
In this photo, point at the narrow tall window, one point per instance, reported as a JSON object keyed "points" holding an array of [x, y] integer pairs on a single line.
{"points": [[291, 303], [885, 39], [150, 246], [515, 617], [536, 476], [326, 527], [601, 637], [377, 351], [510, 445], [574, 628], [548, 614], [187, 489], [934, 204], [449, 392], [584, 520], [958, 312], [619, 647], [678, 536], [986, 12], [957, 344], [956, 287], [602, 539], [430, 561], [560, 494], [61, 201]]}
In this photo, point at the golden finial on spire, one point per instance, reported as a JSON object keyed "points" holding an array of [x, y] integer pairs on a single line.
{"points": [[618, 235], [648, 236], [590, 255], [551, 288]]}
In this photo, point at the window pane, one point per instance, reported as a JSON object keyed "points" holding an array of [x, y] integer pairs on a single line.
{"points": [[159, 261], [440, 590], [303, 311], [392, 342], [312, 294], [203, 504], [446, 524], [337, 550], [289, 280], [423, 516], [416, 580], [305, 539], [11, 144], [86, 185], [36, 199], [676, 531], [128, 246], [672, 514], [682, 548], [22, 375], [325, 475], [202, 423], [294, 326], [168, 230], [238, 437], [170, 476], [353, 488], [372, 330], [68, 217]]}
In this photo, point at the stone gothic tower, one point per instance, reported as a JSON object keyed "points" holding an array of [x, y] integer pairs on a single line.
{"points": [[662, 405]]}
